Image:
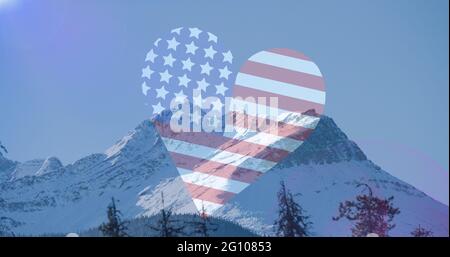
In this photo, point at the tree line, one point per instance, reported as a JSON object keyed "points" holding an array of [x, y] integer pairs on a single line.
{"points": [[166, 225], [369, 214]]}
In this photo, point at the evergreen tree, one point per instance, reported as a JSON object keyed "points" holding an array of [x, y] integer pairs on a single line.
{"points": [[421, 232], [115, 227], [291, 219], [202, 224], [166, 225], [372, 214]]}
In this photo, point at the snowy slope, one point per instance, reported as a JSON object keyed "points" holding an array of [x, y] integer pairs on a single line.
{"points": [[320, 188], [28, 168], [76, 199], [321, 173]]}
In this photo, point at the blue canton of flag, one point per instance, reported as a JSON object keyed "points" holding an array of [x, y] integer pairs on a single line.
{"points": [[184, 60]]}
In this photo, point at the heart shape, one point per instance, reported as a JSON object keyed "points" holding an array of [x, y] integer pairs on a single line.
{"points": [[277, 99]]}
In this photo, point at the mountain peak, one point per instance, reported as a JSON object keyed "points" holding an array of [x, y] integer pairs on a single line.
{"points": [[37, 167], [143, 138], [326, 144], [51, 164]]}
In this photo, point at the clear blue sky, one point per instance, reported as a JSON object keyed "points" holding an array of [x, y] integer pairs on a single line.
{"points": [[70, 71]]}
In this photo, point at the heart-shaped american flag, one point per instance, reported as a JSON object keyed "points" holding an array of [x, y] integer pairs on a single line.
{"points": [[276, 102]]}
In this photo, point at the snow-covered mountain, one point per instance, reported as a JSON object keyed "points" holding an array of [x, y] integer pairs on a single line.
{"points": [[37, 167], [42, 196]]}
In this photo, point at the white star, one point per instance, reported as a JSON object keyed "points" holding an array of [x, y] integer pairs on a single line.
{"points": [[210, 52], [172, 44], [168, 60], [157, 108], [184, 80], [165, 76], [177, 30], [151, 56], [202, 85], [191, 48], [206, 68], [220, 89], [227, 57], [161, 92], [187, 64], [212, 37], [145, 88], [225, 72], [146, 72], [180, 96], [194, 32]]}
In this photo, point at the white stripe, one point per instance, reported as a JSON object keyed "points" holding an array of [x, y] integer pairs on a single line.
{"points": [[262, 138], [280, 88], [217, 155], [208, 180], [277, 114], [286, 62], [209, 207]]}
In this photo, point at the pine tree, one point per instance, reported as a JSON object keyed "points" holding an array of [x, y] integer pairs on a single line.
{"points": [[202, 224], [291, 220], [421, 232], [372, 214], [166, 225], [115, 227]]}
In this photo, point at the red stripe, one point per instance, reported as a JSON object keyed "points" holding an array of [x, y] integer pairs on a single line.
{"points": [[243, 120], [224, 143], [214, 168], [290, 53], [209, 194], [283, 75], [284, 102]]}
